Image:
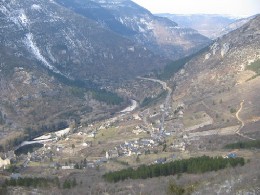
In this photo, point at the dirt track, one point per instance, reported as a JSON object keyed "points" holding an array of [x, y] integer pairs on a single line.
{"points": [[242, 123]]}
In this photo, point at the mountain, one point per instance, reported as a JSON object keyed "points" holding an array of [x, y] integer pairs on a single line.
{"points": [[209, 25], [124, 17], [223, 82], [68, 43], [233, 26], [55, 65], [57, 57]]}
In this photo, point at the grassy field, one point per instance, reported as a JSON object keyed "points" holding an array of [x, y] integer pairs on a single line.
{"points": [[195, 118], [254, 66]]}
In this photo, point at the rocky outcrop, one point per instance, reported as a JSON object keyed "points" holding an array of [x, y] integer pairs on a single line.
{"points": [[218, 77]]}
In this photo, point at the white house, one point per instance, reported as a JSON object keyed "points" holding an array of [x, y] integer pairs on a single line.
{"points": [[4, 163]]}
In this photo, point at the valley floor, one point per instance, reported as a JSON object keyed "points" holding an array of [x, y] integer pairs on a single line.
{"points": [[161, 133]]}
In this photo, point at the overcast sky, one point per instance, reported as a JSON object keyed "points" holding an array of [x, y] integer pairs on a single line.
{"points": [[227, 7]]}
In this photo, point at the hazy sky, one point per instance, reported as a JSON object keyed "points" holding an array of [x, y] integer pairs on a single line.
{"points": [[230, 7]]}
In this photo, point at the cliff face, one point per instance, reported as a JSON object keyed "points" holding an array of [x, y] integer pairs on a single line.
{"points": [[222, 76], [124, 17]]}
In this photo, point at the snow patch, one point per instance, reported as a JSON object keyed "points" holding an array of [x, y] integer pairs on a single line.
{"points": [[149, 25], [10, 15], [23, 18], [207, 56], [182, 72], [36, 7], [142, 20], [4, 10], [214, 48], [225, 48], [131, 49], [140, 29], [50, 54], [31, 45], [121, 20]]}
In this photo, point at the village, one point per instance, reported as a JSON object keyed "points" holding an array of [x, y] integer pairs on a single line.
{"points": [[155, 135], [63, 150], [146, 138]]}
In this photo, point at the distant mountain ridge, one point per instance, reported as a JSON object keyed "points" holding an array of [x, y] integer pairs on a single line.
{"points": [[209, 25], [124, 17], [233, 26]]}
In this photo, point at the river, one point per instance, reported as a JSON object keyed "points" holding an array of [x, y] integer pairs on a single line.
{"points": [[54, 135], [45, 138], [130, 108]]}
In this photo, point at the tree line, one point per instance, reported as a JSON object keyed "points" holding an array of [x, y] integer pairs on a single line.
{"points": [[173, 67], [244, 145], [254, 66], [35, 182], [80, 87], [68, 183], [2, 118], [40, 182], [107, 97], [192, 165], [152, 100]]}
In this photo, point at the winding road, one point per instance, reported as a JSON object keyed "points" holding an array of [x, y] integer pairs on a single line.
{"points": [[242, 123], [167, 100]]}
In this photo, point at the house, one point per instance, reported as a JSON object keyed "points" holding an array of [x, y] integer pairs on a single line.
{"points": [[136, 116], [134, 151], [111, 154], [4, 163], [160, 161], [68, 167], [80, 133], [101, 161], [146, 142], [90, 164], [232, 155], [181, 114], [137, 131], [92, 135]]}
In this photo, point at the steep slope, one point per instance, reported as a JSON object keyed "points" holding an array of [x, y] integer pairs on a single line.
{"points": [[206, 24], [233, 26], [30, 98], [53, 66], [70, 44], [219, 80], [126, 18]]}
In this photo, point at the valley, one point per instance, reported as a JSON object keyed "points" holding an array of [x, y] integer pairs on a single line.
{"points": [[105, 97], [129, 139]]}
